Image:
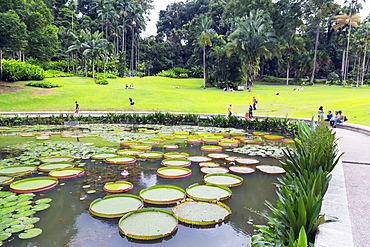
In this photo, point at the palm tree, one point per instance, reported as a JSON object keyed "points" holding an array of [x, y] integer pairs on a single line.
{"points": [[94, 46], [204, 39], [292, 44], [346, 21], [253, 38]]}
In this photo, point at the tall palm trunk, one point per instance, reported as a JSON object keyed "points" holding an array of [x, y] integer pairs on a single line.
{"points": [[1, 63], [287, 73], [364, 60], [204, 66], [132, 53], [316, 46]]}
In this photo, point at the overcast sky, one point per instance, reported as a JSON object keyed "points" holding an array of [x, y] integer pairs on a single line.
{"points": [[151, 28]]}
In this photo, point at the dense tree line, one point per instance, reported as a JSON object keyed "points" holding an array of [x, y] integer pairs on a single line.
{"points": [[227, 42]]}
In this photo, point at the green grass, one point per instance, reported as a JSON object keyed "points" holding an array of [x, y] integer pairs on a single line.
{"points": [[157, 94]]}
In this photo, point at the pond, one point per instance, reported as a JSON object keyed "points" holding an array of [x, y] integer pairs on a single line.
{"points": [[67, 222]]}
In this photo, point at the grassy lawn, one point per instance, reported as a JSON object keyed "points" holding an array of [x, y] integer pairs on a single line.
{"points": [[159, 94]]}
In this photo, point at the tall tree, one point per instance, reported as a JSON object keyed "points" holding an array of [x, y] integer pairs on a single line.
{"points": [[253, 38]]}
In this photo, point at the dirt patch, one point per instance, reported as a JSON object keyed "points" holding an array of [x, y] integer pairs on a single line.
{"points": [[5, 87]]}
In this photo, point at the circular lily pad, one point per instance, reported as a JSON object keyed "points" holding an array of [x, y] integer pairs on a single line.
{"points": [[102, 156], [246, 161], [151, 155], [228, 144], [251, 141], [193, 140], [148, 224], [211, 149], [201, 213], [273, 137], [5, 180], [57, 159], [144, 147], [210, 170], [129, 152], [40, 207], [35, 184], [27, 134], [260, 133], [162, 194], [65, 173], [114, 206], [127, 144], [173, 172], [4, 235], [176, 155], [288, 141], [47, 167], [199, 159], [270, 169], [209, 164], [170, 147], [241, 169], [43, 200], [121, 160], [176, 162], [212, 139], [208, 192], [227, 180], [118, 186], [17, 170], [218, 156], [30, 233]]}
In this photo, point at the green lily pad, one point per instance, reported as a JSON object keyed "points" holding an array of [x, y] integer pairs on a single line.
{"points": [[40, 207], [24, 214], [30, 233], [43, 200], [4, 235], [28, 220], [16, 228]]}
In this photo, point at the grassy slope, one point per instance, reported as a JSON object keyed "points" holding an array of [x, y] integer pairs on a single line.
{"points": [[158, 94]]}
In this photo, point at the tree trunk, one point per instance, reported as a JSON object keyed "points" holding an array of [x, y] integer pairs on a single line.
{"points": [[316, 46], [204, 66], [343, 62], [132, 53], [93, 68], [363, 61], [287, 74]]}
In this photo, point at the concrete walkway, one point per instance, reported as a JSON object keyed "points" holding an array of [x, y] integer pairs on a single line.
{"points": [[348, 196]]}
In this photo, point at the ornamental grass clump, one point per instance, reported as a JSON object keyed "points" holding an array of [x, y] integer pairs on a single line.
{"points": [[296, 216]]}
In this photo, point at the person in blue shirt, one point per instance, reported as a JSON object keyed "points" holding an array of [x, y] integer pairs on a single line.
{"points": [[329, 116]]}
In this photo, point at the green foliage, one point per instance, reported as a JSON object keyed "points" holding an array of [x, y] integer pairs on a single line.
{"points": [[174, 73], [167, 73], [102, 82], [57, 65], [42, 84], [332, 77], [179, 71], [183, 76], [100, 76], [20, 71], [269, 78], [57, 73], [302, 189]]}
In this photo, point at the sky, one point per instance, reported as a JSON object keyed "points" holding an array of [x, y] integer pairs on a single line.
{"points": [[151, 28]]}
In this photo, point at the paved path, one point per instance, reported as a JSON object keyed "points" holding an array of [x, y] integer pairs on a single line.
{"points": [[356, 166]]}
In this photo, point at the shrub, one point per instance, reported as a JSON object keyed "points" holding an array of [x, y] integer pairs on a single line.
{"points": [[101, 76], [57, 73], [179, 71], [269, 78], [167, 73], [44, 84], [20, 71], [184, 75], [102, 82], [57, 65], [333, 77]]}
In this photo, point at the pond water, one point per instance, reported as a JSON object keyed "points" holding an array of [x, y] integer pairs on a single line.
{"points": [[68, 222]]}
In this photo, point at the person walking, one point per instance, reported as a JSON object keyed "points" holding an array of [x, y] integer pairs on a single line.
{"points": [[132, 103], [254, 102], [77, 108], [230, 111]]}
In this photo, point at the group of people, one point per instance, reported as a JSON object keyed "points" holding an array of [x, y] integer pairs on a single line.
{"points": [[129, 87], [252, 108], [332, 119]]}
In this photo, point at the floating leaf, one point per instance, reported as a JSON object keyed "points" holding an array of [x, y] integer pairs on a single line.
{"points": [[4, 235], [43, 200], [30, 233]]}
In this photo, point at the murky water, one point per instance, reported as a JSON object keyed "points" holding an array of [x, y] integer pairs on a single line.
{"points": [[68, 222]]}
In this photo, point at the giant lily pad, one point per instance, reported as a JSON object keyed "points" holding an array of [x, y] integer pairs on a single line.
{"points": [[148, 224], [218, 155], [114, 206], [17, 170], [176, 155], [170, 147], [176, 162], [57, 159], [129, 152], [211, 149], [199, 159], [162, 194], [35, 184], [209, 164], [270, 169], [210, 170], [208, 192], [241, 169], [227, 180], [151, 155], [121, 160], [201, 213], [65, 173], [47, 167], [246, 161], [118, 186], [144, 147], [173, 172], [5, 180], [104, 155]]}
